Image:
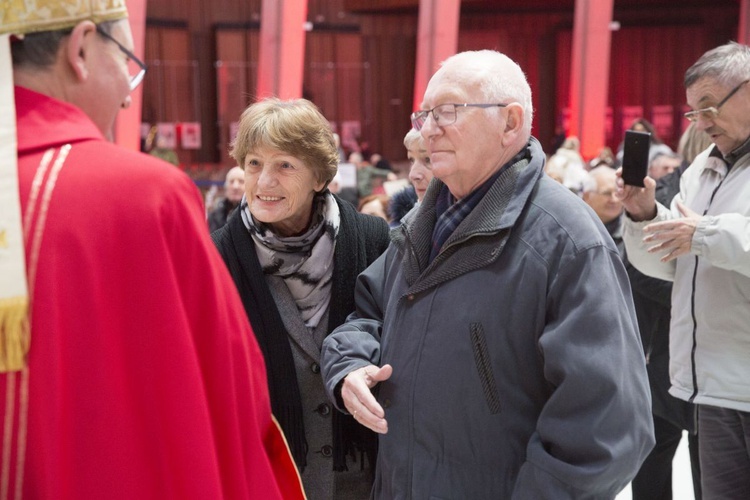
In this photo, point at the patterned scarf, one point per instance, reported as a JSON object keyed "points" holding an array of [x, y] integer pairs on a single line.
{"points": [[304, 262]]}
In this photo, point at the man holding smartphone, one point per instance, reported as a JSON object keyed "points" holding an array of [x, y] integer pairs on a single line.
{"points": [[702, 244]]}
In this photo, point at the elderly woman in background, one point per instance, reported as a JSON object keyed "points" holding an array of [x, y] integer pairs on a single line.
{"points": [[420, 175], [294, 251]]}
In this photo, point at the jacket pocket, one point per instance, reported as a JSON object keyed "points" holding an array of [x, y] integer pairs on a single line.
{"points": [[484, 366]]}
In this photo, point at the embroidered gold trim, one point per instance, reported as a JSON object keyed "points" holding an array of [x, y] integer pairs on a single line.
{"points": [[23, 394], [10, 399]]}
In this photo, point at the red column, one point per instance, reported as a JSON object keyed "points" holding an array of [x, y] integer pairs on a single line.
{"points": [[437, 39], [128, 124], [743, 35], [589, 81], [282, 48]]}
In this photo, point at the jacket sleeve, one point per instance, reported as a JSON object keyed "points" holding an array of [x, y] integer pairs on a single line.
{"points": [[356, 343], [595, 429], [724, 240], [647, 263]]}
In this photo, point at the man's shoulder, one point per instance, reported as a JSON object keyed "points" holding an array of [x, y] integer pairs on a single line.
{"points": [[558, 216], [125, 165]]}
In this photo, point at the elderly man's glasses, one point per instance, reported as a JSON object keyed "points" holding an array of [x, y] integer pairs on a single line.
{"points": [[445, 114], [712, 112], [136, 79]]}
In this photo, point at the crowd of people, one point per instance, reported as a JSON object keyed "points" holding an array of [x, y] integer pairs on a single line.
{"points": [[513, 324]]}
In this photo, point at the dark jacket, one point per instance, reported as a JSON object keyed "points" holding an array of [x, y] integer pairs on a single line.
{"points": [[653, 301], [218, 216], [517, 367], [329, 434]]}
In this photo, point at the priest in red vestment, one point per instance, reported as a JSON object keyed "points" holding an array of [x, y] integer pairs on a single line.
{"points": [[129, 369]]}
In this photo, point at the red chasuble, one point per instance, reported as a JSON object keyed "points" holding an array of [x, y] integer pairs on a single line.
{"points": [[144, 379]]}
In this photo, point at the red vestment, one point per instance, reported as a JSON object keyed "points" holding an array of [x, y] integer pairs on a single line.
{"points": [[144, 379]]}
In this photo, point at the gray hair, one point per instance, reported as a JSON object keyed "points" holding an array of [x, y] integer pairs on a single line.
{"points": [[500, 78], [728, 64], [412, 136], [591, 182]]}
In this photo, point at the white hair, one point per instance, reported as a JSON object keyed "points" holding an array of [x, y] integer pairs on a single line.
{"points": [[499, 77]]}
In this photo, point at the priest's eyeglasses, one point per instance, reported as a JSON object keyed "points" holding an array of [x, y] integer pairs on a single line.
{"points": [[445, 114], [712, 112], [137, 78]]}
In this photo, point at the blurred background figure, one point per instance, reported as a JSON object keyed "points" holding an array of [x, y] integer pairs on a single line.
{"points": [[375, 204], [420, 175], [599, 194], [234, 188], [369, 178], [294, 250], [657, 144], [340, 151], [158, 146], [605, 158], [652, 298], [567, 167], [663, 164]]}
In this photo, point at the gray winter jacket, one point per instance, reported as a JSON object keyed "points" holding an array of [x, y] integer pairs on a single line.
{"points": [[517, 367]]}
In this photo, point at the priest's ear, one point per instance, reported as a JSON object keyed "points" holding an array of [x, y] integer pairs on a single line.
{"points": [[80, 50]]}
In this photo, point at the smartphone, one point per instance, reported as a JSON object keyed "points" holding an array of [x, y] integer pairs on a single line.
{"points": [[635, 157]]}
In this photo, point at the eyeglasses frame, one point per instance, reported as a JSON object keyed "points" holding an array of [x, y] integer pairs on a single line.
{"points": [[712, 112], [418, 115], [136, 79]]}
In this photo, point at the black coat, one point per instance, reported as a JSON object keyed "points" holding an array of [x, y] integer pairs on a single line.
{"points": [[653, 301], [361, 239]]}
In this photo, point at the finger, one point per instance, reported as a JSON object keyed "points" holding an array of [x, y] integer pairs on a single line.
{"points": [[356, 389], [685, 211], [364, 416], [379, 375]]}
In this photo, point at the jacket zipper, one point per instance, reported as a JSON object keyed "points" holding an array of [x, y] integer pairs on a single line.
{"points": [[692, 306]]}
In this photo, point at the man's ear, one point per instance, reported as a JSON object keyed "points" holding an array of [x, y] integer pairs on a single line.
{"points": [[78, 53], [513, 122]]}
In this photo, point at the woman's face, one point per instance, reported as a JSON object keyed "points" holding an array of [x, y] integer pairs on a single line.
{"points": [[280, 189], [420, 172]]}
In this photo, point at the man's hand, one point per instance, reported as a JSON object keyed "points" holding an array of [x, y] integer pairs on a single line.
{"points": [[640, 202], [358, 399], [674, 237]]}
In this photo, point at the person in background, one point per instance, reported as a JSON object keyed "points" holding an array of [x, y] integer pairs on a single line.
{"points": [[692, 143], [567, 166], [498, 326], [234, 188], [129, 369], [657, 145], [700, 244], [420, 175], [375, 204], [369, 178], [598, 193], [671, 415], [161, 149], [651, 297], [663, 164], [294, 251], [604, 158]]}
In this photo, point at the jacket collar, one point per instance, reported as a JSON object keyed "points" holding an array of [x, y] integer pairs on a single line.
{"points": [[49, 122], [494, 216]]}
